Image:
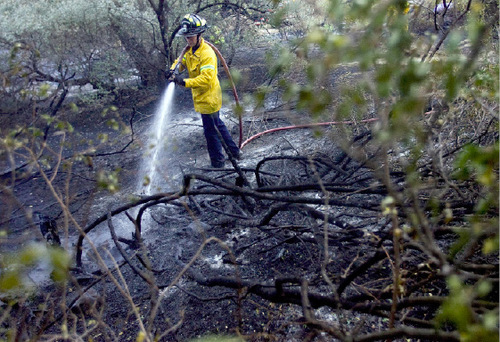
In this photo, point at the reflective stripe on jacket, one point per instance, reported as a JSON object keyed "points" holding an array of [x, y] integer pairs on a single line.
{"points": [[203, 80]]}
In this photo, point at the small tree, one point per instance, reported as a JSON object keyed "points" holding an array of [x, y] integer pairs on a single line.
{"points": [[434, 96]]}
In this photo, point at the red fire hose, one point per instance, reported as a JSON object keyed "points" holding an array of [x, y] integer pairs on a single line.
{"points": [[242, 144], [313, 125], [304, 126]]}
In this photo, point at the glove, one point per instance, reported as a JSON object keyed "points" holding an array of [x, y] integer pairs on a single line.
{"points": [[169, 74], [179, 80]]}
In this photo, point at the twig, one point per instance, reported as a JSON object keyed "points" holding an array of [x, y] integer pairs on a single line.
{"points": [[146, 277]]}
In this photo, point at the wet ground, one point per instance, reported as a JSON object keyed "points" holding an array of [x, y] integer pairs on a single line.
{"points": [[170, 233], [173, 234], [174, 231]]}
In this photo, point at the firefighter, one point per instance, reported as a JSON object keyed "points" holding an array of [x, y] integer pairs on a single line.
{"points": [[200, 61]]}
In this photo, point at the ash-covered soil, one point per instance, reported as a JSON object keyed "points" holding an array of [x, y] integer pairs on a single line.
{"points": [[173, 235], [174, 232]]}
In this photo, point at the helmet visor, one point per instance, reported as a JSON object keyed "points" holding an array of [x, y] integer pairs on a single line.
{"points": [[185, 32]]}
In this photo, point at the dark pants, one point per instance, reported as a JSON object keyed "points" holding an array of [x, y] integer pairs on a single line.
{"points": [[214, 146]]}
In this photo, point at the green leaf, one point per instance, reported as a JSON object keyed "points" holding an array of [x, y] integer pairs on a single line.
{"points": [[491, 245], [60, 260], [10, 280], [113, 124]]}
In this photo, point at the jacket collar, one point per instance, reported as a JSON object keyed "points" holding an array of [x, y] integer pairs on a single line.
{"points": [[202, 42]]}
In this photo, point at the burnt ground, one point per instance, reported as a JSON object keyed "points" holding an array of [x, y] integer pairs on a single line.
{"points": [[246, 246], [171, 234], [174, 234]]}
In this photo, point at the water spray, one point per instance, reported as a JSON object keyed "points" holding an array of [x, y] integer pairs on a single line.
{"points": [[158, 132]]}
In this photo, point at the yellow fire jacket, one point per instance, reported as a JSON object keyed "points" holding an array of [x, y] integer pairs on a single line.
{"points": [[203, 80]]}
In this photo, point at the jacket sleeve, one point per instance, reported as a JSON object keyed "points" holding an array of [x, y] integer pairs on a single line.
{"points": [[207, 73]]}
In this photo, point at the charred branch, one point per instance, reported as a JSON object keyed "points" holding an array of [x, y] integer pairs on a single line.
{"points": [[278, 293]]}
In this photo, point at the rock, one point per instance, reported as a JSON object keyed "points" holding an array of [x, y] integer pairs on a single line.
{"points": [[48, 228]]}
